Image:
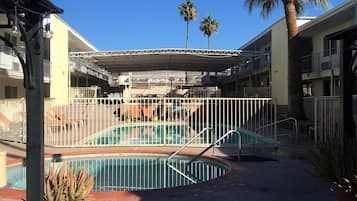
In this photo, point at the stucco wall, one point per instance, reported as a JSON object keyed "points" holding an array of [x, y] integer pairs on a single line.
{"points": [[279, 63], [318, 39], [59, 88]]}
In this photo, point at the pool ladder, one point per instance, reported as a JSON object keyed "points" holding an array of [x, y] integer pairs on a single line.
{"points": [[169, 159], [216, 143], [219, 141]]}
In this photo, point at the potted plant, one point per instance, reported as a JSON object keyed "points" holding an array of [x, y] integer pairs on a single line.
{"points": [[338, 164]]}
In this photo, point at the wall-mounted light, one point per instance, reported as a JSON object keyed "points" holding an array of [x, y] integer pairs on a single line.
{"points": [[47, 33], [14, 25]]}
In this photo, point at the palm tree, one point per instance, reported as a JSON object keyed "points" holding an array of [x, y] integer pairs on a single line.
{"points": [[189, 12], [209, 26], [292, 8]]}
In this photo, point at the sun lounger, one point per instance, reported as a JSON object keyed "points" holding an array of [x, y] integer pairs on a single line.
{"points": [[148, 113]]}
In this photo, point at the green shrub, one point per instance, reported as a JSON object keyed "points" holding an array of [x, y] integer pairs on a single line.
{"points": [[337, 163]]}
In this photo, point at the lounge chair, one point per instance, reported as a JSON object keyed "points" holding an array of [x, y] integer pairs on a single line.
{"points": [[131, 112], [4, 123], [148, 113], [72, 121], [52, 122]]}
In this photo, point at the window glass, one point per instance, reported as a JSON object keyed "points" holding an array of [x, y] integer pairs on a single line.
{"points": [[10, 92]]}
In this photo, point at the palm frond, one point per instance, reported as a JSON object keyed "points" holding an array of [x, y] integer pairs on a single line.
{"points": [[209, 26], [266, 6], [300, 4], [188, 10]]}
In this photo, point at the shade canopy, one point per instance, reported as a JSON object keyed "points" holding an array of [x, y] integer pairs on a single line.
{"points": [[166, 59]]}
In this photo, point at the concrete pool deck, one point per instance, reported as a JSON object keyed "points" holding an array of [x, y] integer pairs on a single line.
{"points": [[274, 177]]}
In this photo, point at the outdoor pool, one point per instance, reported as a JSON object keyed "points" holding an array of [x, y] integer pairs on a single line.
{"points": [[168, 134], [131, 172]]}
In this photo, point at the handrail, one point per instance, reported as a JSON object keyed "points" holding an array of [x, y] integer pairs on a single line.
{"points": [[281, 121], [181, 173], [230, 132], [188, 143]]}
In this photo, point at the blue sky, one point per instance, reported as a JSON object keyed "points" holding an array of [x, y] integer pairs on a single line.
{"points": [[146, 24]]}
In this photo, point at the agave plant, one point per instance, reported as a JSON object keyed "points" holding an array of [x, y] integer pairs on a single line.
{"points": [[66, 184]]}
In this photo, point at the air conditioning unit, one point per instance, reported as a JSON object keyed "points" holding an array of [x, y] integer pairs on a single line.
{"points": [[326, 65]]}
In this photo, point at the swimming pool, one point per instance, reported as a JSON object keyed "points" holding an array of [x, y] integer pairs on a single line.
{"points": [[173, 134], [132, 172]]}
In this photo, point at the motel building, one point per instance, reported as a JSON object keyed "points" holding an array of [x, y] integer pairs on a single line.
{"points": [[226, 100]]}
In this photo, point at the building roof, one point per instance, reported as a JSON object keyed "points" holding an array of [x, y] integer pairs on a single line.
{"points": [[42, 6], [166, 59], [330, 18]]}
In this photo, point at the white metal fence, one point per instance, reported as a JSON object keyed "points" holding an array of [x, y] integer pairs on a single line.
{"points": [[13, 119], [327, 117], [151, 121], [84, 92]]}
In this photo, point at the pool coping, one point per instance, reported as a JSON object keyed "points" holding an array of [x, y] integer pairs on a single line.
{"points": [[120, 195]]}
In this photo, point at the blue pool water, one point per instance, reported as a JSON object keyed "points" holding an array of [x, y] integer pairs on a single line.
{"points": [[132, 171], [168, 134]]}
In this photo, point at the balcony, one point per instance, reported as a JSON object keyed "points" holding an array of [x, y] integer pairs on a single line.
{"points": [[320, 64], [86, 67], [10, 65], [251, 67]]}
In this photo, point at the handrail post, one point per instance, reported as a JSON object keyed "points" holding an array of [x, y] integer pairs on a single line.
{"points": [[188, 143], [230, 132], [315, 120], [275, 126]]}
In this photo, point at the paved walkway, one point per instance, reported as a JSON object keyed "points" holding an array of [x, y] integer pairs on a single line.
{"points": [[277, 176]]}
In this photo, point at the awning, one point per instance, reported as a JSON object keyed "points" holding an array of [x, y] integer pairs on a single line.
{"points": [[166, 59]]}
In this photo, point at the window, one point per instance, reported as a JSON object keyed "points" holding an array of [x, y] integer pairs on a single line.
{"points": [[10, 92], [307, 89], [330, 47]]}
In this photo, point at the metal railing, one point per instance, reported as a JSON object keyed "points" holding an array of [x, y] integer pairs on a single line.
{"points": [[181, 173], [188, 143], [219, 141], [88, 122], [13, 119], [257, 91], [320, 61], [84, 92], [296, 128], [89, 68], [137, 172], [11, 64], [327, 118]]}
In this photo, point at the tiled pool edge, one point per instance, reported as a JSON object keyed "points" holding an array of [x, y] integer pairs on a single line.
{"points": [[6, 193]]}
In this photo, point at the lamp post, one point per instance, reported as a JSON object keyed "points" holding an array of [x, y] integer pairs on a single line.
{"points": [[171, 79], [30, 24]]}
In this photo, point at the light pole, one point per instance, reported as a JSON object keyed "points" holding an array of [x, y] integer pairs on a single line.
{"points": [[27, 16]]}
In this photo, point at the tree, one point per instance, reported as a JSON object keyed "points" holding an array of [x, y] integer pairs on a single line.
{"points": [[209, 26], [292, 8], [189, 12]]}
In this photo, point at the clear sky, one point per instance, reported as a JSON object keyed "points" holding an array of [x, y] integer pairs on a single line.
{"points": [[147, 24]]}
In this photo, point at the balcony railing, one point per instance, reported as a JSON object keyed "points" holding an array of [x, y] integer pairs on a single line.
{"points": [[250, 67], [11, 66], [320, 61], [83, 66]]}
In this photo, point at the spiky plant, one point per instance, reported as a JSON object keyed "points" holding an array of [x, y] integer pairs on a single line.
{"points": [[67, 184]]}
